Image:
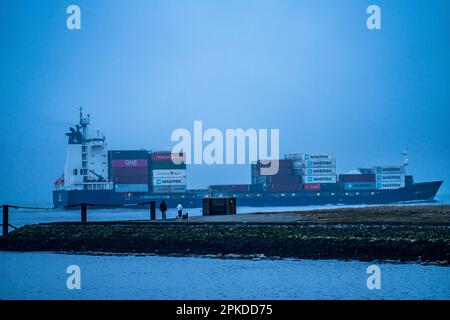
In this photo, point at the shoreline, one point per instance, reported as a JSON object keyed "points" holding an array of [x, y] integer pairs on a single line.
{"points": [[401, 234], [252, 257]]}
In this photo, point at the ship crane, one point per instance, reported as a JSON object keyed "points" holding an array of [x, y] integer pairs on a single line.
{"points": [[100, 178]]}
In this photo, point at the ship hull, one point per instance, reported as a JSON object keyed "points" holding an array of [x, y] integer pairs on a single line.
{"points": [[425, 191]]}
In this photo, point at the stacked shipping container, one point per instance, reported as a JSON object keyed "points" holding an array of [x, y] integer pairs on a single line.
{"points": [[380, 178], [283, 181], [391, 177], [129, 170], [168, 172], [317, 171]]}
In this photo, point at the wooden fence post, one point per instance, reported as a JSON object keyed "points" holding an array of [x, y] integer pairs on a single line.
{"points": [[83, 212], [152, 210], [5, 219]]}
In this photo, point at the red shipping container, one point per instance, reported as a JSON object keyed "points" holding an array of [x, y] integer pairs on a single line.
{"points": [[357, 177], [123, 172], [130, 163], [311, 187]]}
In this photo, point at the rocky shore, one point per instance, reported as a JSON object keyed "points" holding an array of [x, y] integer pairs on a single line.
{"points": [[424, 242]]}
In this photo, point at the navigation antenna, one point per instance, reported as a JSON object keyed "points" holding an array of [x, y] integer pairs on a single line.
{"points": [[405, 157]]}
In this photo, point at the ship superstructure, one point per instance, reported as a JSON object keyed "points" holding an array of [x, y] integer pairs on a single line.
{"points": [[86, 166]]}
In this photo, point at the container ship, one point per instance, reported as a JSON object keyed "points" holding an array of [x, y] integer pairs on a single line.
{"points": [[101, 177]]}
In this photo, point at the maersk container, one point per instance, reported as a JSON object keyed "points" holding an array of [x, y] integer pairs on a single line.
{"points": [[164, 189], [127, 154], [129, 163], [315, 163], [390, 185], [389, 169], [131, 187], [357, 178], [169, 181], [311, 156], [390, 177], [318, 171], [359, 186], [319, 179]]}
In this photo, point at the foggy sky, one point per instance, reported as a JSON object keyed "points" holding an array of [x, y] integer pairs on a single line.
{"points": [[144, 68]]}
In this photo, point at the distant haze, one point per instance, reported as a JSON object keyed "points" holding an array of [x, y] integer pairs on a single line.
{"points": [[144, 68]]}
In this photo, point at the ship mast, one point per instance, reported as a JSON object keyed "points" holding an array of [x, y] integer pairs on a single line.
{"points": [[405, 157]]}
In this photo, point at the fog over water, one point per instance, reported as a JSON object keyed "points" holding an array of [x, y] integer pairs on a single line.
{"points": [[145, 68]]}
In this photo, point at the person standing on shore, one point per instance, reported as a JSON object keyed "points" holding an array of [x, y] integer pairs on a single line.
{"points": [[163, 208], [180, 210]]}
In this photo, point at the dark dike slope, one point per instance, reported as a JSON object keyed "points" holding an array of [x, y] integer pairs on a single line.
{"points": [[404, 243]]}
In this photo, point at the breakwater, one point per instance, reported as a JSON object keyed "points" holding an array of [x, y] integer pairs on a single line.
{"points": [[365, 242]]}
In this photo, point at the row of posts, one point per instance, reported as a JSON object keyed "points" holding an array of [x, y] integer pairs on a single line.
{"points": [[83, 211]]}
